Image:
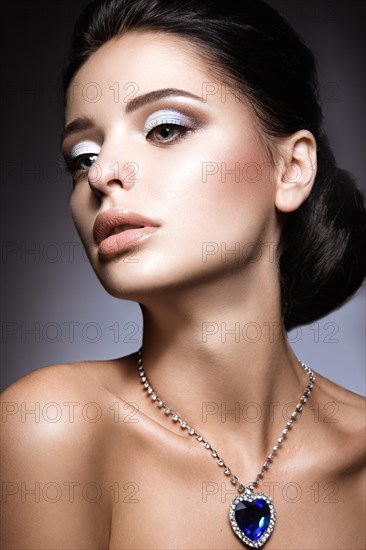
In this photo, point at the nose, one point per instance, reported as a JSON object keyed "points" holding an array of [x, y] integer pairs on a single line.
{"points": [[107, 176]]}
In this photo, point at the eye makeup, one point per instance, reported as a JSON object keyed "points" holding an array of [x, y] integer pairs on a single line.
{"points": [[84, 148], [162, 117], [169, 116], [77, 161]]}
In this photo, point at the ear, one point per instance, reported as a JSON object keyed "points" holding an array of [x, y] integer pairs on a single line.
{"points": [[297, 170]]}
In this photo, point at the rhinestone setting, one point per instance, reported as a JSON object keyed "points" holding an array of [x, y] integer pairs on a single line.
{"points": [[251, 497]]}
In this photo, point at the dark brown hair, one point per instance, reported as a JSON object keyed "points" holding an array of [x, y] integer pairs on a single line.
{"points": [[321, 254]]}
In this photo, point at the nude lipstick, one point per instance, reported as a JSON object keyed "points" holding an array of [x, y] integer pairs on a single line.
{"points": [[119, 229]]}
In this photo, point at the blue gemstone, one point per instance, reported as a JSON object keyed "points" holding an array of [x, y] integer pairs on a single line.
{"points": [[253, 517]]}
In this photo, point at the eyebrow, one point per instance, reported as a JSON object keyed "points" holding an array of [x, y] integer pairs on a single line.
{"points": [[84, 123], [78, 125]]}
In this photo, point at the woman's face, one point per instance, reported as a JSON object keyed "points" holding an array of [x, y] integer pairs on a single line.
{"points": [[205, 179]]}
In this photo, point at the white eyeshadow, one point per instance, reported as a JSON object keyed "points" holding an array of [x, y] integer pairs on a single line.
{"points": [[167, 115], [83, 148]]}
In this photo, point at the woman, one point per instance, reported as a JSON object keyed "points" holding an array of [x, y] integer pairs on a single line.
{"points": [[204, 188]]}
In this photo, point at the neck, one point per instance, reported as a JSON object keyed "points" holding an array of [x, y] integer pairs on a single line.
{"points": [[221, 361]]}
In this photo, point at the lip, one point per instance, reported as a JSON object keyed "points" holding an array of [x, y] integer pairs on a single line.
{"points": [[109, 242]]}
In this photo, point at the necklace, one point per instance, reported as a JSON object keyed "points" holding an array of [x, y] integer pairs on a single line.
{"points": [[252, 514]]}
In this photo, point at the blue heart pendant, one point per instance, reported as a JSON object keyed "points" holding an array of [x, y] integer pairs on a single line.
{"points": [[252, 517]]}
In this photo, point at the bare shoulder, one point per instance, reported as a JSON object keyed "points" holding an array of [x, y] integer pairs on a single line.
{"points": [[65, 400], [351, 405], [52, 459], [341, 415], [72, 376], [53, 411]]}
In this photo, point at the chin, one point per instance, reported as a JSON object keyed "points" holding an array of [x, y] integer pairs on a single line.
{"points": [[125, 286]]}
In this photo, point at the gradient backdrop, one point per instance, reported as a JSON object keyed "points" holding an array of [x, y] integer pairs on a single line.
{"points": [[54, 310]]}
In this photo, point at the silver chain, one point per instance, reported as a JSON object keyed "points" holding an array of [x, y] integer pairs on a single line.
{"points": [[220, 461]]}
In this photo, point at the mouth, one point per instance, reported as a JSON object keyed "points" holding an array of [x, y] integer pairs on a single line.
{"points": [[117, 220], [120, 228]]}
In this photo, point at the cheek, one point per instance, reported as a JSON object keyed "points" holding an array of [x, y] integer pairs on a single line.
{"points": [[223, 193], [81, 211], [241, 190]]}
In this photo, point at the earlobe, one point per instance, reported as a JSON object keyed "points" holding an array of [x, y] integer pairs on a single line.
{"points": [[296, 174]]}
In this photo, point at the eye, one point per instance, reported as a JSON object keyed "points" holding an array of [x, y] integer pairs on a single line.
{"points": [[166, 133], [83, 162], [168, 126], [81, 158]]}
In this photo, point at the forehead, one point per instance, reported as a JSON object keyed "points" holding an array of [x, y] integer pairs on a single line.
{"points": [[136, 63]]}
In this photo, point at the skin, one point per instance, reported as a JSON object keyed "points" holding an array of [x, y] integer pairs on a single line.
{"points": [[172, 494]]}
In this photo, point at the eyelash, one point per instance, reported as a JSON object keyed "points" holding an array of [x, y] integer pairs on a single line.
{"points": [[164, 123], [72, 164]]}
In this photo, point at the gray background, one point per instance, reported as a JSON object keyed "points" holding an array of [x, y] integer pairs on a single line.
{"points": [[54, 310]]}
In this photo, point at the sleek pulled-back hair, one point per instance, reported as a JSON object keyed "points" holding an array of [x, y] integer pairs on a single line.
{"points": [[249, 46]]}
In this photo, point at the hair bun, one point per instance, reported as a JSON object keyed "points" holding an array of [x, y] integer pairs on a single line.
{"points": [[324, 259]]}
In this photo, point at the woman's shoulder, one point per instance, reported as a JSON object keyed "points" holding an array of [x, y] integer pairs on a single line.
{"points": [[56, 420], [52, 382], [340, 413], [53, 445], [60, 394], [61, 402], [349, 407], [78, 377]]}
